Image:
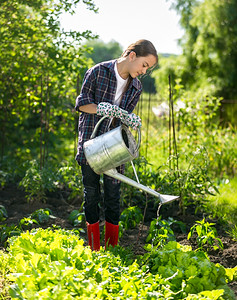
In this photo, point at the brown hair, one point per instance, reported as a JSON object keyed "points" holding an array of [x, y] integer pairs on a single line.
{"points": [[141, 48]]}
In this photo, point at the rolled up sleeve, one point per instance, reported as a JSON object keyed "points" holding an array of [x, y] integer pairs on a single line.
{"points": [[87, 95]]}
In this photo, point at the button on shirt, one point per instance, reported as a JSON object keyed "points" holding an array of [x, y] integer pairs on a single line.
{"points": [[99, 85]]}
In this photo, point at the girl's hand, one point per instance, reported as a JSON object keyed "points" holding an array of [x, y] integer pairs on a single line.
{"points": [[133, 121], [107, 109]]}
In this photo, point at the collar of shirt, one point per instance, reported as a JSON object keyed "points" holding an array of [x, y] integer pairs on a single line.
{"points": [[110, 65]]}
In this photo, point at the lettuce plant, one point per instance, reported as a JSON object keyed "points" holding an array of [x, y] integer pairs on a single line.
{"points": [[55, 264]]}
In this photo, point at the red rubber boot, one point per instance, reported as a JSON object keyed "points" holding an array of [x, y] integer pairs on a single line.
{"points": [[111, 234], [93, 233]]}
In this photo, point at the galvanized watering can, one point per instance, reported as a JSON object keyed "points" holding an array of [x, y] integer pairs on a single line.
{"points": [[114, 148]]}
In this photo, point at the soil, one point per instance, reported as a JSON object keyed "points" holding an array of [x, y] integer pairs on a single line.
{"points": [[17, 207]]}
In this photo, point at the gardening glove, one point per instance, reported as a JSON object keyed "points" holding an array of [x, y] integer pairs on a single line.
{"points": [[133, 121], [107, 109]]}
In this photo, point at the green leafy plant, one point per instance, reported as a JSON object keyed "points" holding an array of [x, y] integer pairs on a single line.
{"points": [[206, 235], [37, 218], [4, 178], [8, 231], [160, 232], [191, 181], [26, 223], [76, 217], [129, 218], [3, 213], [69, 178], [188, 272], [4, 281], [231, 274], [54, 264], [42, 215], [233, 232], [37, 181]]}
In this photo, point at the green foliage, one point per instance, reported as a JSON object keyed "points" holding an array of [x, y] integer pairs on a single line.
{"points": [[37, 218], [130, 217], [206, 235], [224, 205], [8, 231], [4, 282], [37, 181], [40, 67], [26, 223], [205, 153], [233, 232], [68, 177], [101, 51], [209, 27], [198, 113], [76, 218], [191, 181], [169, 66], [4, 178], [42, 215], [222, 153], [55, 264], [231, 274], [189, 273], [160, 232], [3, 213], [213, 19]]}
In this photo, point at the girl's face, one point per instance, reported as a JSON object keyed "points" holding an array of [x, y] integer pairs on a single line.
{"points": [[139, 65]]}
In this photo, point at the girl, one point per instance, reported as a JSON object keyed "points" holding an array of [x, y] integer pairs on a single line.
{"points": [[109, 89]]}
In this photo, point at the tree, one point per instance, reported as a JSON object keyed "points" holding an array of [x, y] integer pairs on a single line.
{"points": [[215, 49], [39, 67], [209, 45], [101, 51]]}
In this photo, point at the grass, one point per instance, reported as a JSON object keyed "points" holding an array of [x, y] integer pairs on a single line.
{"points": [[224, 204]]}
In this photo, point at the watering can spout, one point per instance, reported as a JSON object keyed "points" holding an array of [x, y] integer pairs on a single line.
{"points": [[163, 198]]}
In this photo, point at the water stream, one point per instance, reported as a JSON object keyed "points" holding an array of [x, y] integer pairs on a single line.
{"points": [[158, 211]]}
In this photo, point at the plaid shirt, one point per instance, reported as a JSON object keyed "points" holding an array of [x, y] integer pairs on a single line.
{"points": [[99, 85]]}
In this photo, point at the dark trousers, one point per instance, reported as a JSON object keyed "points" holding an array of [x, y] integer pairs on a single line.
{"points": [[92, 196]]}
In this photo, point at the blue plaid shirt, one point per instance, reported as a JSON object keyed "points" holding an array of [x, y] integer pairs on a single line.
{"points": [[99, 85]]}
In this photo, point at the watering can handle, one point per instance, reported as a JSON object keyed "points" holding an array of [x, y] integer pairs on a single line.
{"points": [[96, 127], [102, 119]]}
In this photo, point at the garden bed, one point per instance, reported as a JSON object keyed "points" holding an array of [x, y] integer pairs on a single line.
{"points": [[17, 207]]}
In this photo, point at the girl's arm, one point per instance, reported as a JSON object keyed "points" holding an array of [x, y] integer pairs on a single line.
{"points": [[89, 108]]}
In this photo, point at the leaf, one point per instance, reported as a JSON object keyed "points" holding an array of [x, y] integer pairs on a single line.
{"points": [[199, 230], [231, 274]]}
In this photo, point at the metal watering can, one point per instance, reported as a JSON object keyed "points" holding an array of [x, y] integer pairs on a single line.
{"points": [[114, 148]]}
